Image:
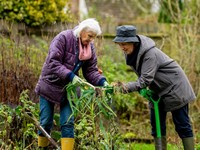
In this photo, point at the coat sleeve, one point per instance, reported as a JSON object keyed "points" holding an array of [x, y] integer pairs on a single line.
{"points": [[148, 71], [55, 57]]}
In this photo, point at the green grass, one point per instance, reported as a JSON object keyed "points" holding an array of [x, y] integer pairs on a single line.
{"points": [[141, 146]]}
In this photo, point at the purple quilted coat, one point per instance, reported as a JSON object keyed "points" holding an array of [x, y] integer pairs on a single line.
{"points": [[59, 64]]}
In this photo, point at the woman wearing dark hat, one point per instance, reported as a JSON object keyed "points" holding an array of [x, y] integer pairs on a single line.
{"points": [[163, 76]]}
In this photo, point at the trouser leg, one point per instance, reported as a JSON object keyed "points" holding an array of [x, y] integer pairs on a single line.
{"points": [[46, 121], [183, 127], [67, 126], [66, 120]]}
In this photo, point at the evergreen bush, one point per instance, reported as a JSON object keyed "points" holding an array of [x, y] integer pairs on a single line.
{"points": [[34, 13]]}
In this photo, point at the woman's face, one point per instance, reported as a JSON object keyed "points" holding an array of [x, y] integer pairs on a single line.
{"points": [[87, 37], [128, 48]]}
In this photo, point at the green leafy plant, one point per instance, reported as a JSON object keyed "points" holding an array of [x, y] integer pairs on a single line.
{"points": [[34, 13], [94, 119], [16, 131]]}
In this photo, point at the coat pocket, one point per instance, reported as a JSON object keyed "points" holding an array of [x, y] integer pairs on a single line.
{"points": [[172, 99], [54, 80], [51, 91]]}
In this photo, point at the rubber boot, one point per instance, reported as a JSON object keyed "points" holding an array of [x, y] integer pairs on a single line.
{"points": [[158, 143], [43, 142], [67, 143], [164, 143], [188, 143]]}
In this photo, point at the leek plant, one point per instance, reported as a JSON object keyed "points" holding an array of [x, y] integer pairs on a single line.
{"points": [[95, 126]]}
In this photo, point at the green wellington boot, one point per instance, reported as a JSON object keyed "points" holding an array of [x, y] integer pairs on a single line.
{"points": [[158, 145], [164, 143], [188, 143]]}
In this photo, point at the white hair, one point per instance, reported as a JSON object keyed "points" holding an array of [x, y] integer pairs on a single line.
{"points": [[89, 25]]}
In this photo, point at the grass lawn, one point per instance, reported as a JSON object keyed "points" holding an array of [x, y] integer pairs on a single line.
{"points": [[141, 146]]}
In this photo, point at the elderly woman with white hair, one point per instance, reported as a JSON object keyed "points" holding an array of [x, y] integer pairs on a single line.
{"points": [[69, 51]]}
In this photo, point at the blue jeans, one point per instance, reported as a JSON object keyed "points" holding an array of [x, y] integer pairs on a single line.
{"points": [[66, 118], [180, 118]]}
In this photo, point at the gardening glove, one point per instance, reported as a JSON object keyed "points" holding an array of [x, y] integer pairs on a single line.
{"points": [[148, 94], [108, 88], [105, 84], [77, 81]]}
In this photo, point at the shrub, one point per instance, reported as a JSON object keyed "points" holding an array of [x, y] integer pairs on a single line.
{"points": [[16, 131], [20, 66], [34, 13]]}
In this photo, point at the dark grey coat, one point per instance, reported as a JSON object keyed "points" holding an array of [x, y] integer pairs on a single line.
{"points": [[59, 64], [162, 75]]}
